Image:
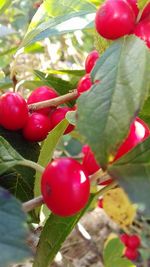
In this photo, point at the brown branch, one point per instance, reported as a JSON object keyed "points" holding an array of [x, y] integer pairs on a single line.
{"points": [[32, 204], [55, 101]]}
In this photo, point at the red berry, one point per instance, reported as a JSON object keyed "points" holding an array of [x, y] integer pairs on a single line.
{"points": [[124, 239], [142, 30], [41, 94], [133, 4], [13, 111], [36, 128], [109, 181], [91, 61], [139, 131], [89, 162], [146, 12], [114, 19], [58, 115], [100, 203], [131, 254], [134, 242], [84, 84], [65, 186]]}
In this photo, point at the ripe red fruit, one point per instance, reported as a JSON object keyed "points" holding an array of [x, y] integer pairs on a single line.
{"points": [[124, 239], [65, 186], [139, 131], [134, 242], [89, 162], [146, 12], [41, 94], [100, 203], [133, 4], [84, 84], [13, 111], [142, 30], [114, 19], [131, 254], [58, 115], [91, 61], [107, 182], [36, 127]]}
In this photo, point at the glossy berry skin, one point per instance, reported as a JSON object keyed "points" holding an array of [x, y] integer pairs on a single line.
{"points": [[41, 94], [114, 19], [84, 84], [100, 203], [133, 242], [131, 254], [65, 186], [36, 127], [58, 115], [133, 4], [89, 162], [139, 131], [13, 111], [91, 61], [146, 12], [142, 30], [124, 239]]}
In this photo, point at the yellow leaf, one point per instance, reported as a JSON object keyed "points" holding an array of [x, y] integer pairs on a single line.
{"points": [[118, 207]]}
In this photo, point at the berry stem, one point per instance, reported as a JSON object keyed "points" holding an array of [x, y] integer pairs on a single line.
{"points": [[32, 204], [54, 102], [106, 188], [32, 164], [140, 13]]}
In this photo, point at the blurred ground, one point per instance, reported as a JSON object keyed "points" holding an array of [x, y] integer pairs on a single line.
{"points": [[84, 248]]}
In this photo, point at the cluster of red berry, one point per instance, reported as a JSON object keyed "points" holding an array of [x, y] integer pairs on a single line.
{"points": [[85, 82], [115, 19], [132, 243], [14, 114]]}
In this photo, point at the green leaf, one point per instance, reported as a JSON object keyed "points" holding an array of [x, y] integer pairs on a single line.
{"points": [[78, 73], [47, 151], [145, 112], [58, 26], [19, 180], [132, 172], [8, 156], [106, 111], [58, 8], [142, 3], [3, 5], [60, 85], [113, 254], [13, 231], [71, 116], [54, 234]]}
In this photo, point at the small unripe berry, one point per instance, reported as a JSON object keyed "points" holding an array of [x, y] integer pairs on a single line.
{"points": [[41, 94], [114, 19], [13, 111], [100, 203], [91, 61], [65, 186], [36, 127]]}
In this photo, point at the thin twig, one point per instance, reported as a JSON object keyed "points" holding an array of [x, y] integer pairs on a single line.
{"points": [[32, 204], [54, 102]]}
